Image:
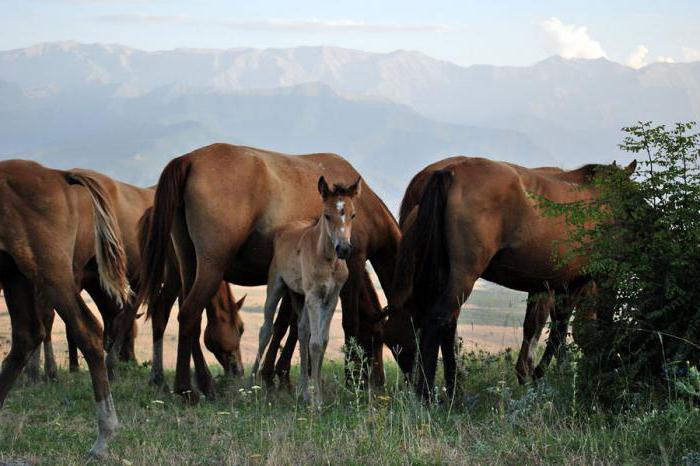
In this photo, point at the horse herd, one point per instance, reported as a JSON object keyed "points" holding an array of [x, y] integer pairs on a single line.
{"points": [[225, 213]]}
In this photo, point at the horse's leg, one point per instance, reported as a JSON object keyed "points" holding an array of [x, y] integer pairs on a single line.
{"points": [[73, 361], [110, 312], [50, 368], [128, 350], [349, 296], [205, 382], [282, 323], [558, 330], [315, 310], [160, 315], [31, 371], [284, 363], [535, 319], [275, 291], [449, 361], [27, 330], [303, 327]]}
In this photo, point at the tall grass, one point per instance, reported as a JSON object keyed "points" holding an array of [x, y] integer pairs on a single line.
{"points": [[491, 420]]}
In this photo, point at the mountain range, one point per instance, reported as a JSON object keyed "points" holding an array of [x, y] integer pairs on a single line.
{"points": [[126, 111]]}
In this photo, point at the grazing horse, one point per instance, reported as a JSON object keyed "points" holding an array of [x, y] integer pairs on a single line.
{"points": [[309, 260], [55, 234], [540, 305], [223, 204], [287, 319], [478, 218], [222, 335]]}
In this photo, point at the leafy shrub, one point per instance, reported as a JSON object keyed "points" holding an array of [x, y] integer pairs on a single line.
{"points": [[642, 241]]}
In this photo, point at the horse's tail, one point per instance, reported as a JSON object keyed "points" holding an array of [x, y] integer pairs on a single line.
{"points": [[109, 248], [156, 241], [429, 244], [143, 226]]}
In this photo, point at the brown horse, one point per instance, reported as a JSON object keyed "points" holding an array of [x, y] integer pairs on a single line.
{"points": [[223, 203], [477, 218], [54, 237], [222, 335], [309, 260], [539, 305]]}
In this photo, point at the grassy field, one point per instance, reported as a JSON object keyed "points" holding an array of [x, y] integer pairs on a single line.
{"points": [[491, 421]]}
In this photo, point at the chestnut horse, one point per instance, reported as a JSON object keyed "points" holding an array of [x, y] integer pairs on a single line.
{"points": [[540, 305], [223, 203], [53, 236], [478, 218], [309, 260]]}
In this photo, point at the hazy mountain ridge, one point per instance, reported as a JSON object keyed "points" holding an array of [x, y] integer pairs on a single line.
{"points": [[127, 111]]}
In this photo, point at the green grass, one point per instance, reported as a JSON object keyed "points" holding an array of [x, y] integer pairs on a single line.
{"points": [[492, 421]]}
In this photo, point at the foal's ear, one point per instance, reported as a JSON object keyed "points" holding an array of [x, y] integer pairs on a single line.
{"points": [[356, 188], [630, 169], [323, 187], [239, 303]]}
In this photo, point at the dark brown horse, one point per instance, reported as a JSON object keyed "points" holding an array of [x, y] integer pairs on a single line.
{"points": [[477, 218], [223, 203], [56, 237]]}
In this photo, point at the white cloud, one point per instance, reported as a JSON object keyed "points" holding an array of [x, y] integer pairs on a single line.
{"points": [[691, 54], [638, 58], [571, 41], [138, 18], [664, 59]]}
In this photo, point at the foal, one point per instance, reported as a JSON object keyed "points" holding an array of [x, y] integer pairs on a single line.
{"points": [[309, 260]]}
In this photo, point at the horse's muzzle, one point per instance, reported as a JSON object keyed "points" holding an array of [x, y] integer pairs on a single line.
{"points": [[343, 250]]}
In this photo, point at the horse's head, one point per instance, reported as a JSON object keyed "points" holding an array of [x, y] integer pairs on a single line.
{"points": [[338, 213], [400, 337], [224, 331]]}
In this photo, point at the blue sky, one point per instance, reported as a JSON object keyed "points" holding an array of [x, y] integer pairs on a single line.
{"points": [[513, 32]]}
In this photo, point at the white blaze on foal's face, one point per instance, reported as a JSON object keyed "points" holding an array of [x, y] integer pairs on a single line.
{"points": [[338, 214]]}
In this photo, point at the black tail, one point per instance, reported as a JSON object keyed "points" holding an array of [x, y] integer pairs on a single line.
{"points": [[431, 265]]}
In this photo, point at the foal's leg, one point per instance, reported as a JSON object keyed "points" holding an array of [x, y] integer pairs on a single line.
{"points": [[538, 309], [275, 291], [27, 330], [303, 326], [315, 309]]}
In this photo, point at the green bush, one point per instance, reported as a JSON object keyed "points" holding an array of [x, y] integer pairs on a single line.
{"points": [[642, 241]]}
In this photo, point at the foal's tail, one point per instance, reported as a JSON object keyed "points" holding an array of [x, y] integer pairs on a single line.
{"points": [[109, 248], [156, 241], [424, 250]]}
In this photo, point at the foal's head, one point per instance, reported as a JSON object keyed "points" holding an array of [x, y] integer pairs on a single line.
{"points": [[338, 214]]}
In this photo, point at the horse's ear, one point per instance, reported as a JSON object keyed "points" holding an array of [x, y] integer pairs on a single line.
{"points": [[630, 169], [323, 187], [239, 303], [356, 188]]}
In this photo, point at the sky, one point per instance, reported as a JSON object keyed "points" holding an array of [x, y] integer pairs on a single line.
{"points": [[466, 32]]}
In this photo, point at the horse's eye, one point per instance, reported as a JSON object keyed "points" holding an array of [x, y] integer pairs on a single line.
{"points": [[328, 217], [352, 216]]}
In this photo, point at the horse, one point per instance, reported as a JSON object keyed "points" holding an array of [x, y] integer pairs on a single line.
{"points": [[540, 305], [222, 203], [287, 319], [222, 335], [54, 235], [478, 218], [309, 261]]}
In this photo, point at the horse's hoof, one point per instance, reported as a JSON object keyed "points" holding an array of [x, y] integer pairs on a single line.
{"points": [[189, 397]]}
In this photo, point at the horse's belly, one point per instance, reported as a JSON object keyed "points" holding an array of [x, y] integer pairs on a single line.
{"points": [[250, 265], [528, 272]]}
